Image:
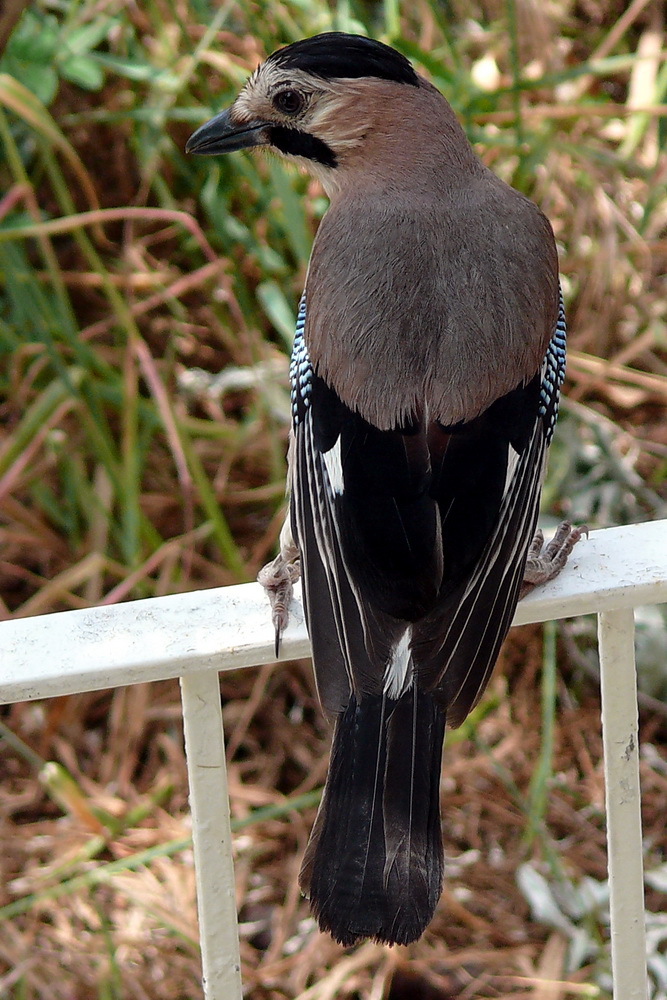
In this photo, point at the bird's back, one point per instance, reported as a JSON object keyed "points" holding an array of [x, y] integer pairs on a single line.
{"points": [[437, 305]]}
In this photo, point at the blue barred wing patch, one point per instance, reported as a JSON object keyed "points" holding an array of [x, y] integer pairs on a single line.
{"points": [[300, 369], [553, 374]]}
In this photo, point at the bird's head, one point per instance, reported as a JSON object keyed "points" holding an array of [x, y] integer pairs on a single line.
{"points": [[319, 101]]}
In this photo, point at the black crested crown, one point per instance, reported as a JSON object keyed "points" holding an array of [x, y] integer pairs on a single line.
{"points": [[335, 55]]}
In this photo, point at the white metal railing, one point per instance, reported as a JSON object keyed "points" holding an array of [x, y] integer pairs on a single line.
{"points": [[195, 635]]}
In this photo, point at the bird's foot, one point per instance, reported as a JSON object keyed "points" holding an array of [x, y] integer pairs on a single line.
{"points": [[278, 578], [543, 566]]}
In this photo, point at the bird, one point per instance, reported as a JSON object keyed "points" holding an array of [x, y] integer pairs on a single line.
{"points": [[427, 363]]}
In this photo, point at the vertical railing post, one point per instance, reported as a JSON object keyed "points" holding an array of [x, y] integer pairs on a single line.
{"points": [[616, 635], [211, 835]]}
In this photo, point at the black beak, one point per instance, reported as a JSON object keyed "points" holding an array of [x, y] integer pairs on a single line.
{"points": [[222, 135]]}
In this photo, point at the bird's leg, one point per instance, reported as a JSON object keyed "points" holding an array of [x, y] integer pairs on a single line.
{"points": [[278, 578], [543, 566]]}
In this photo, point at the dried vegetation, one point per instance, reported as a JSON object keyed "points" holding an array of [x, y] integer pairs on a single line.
{"points": [[129, 467]]}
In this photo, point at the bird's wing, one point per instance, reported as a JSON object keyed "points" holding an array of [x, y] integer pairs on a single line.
{"points": [[456, 646], [368, 531]]}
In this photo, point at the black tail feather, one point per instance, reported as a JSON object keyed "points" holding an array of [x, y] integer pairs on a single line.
{"points": [[374, 864]]}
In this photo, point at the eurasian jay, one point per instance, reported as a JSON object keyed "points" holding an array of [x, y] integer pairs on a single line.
{"points": [[425, 374]]}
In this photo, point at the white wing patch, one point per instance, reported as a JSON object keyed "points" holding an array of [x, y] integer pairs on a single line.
{"points": [[397, 678], [512, 463], [334, 468]]}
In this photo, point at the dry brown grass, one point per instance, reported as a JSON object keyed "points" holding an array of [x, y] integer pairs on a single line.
{"points": [[600, 174]]}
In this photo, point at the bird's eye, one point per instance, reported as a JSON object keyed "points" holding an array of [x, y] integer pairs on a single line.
{"points": [[289, 102]]}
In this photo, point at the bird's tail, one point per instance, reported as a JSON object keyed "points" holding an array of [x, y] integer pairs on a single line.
{"points": [[374, 864]]}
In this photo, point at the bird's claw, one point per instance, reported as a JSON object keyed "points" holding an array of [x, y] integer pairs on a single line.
{"points": [[278, 578], [543, 566]]}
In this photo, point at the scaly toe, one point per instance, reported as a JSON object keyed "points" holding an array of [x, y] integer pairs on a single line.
{"points": [[278, 578], [542, 566]]}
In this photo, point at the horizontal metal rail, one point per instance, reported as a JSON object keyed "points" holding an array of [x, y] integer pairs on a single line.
{"points": [[193, 636]]}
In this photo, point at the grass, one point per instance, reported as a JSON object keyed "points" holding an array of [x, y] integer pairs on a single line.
{"points": [[146, 307]]}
